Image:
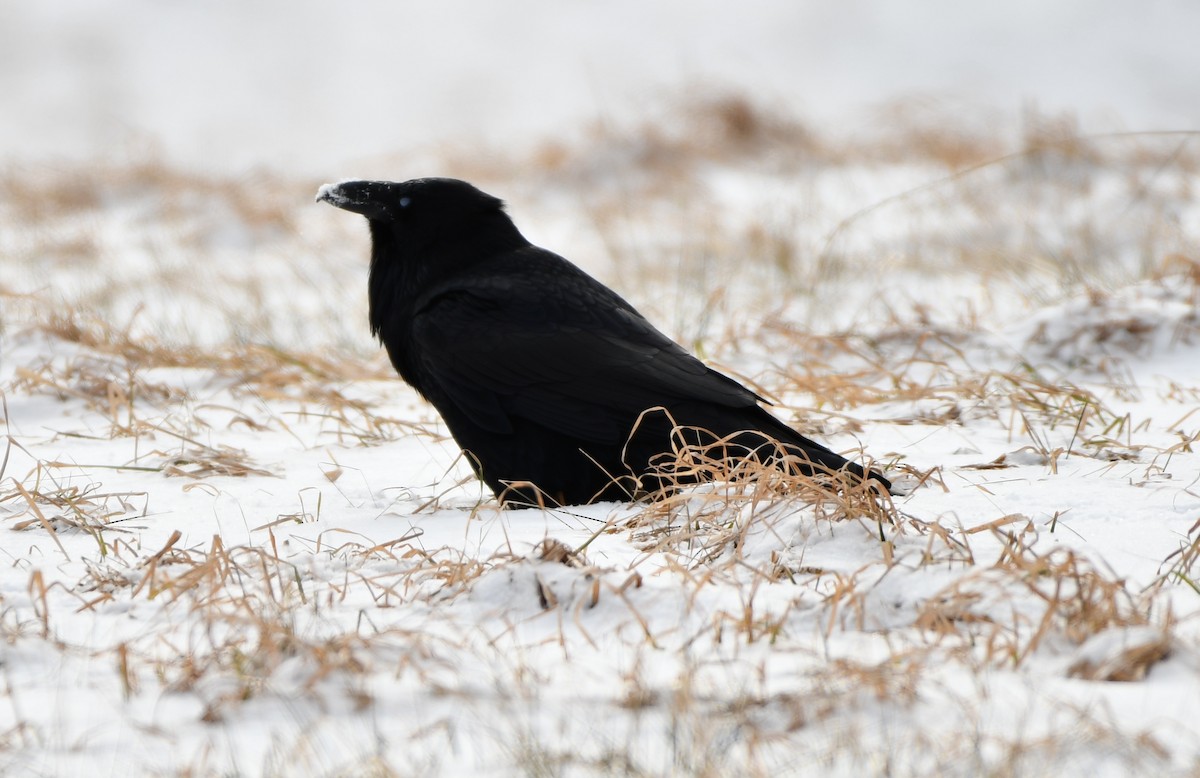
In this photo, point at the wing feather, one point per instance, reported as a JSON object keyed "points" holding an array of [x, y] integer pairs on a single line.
{"points": [[500, 352]]}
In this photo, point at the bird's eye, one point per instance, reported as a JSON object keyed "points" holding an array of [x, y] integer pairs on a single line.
{"points": [[405, 202]]}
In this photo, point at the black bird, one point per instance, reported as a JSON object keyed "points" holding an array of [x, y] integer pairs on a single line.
{"points": [[557, 389]]}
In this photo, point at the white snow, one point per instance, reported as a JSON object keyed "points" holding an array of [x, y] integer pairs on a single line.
{"points": [[326, 191]]}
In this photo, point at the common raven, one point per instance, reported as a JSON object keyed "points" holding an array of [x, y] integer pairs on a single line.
{"points": [[557, 389]]}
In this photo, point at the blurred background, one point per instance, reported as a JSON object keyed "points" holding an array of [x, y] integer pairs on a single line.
{"points": [[319, 87], [158, 159]]}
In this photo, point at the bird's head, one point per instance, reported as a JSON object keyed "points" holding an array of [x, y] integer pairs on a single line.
{"points": [[421, 202], [427, 221], [423, 231]]}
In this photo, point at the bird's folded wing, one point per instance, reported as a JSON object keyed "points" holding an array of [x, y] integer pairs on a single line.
{"points": [[588, 376]]}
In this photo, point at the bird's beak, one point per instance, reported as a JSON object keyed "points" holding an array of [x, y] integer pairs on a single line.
{"points": [[364, 197]]}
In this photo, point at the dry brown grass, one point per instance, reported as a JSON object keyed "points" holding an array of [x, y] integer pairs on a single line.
{"points": [[1183, 564], [34, 195], [710, 523], [118, 375], [1027, 598]]}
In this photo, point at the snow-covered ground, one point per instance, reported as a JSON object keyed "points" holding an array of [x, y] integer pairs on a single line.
{"points": [[234, 543]]}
